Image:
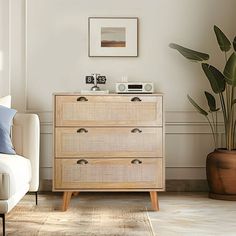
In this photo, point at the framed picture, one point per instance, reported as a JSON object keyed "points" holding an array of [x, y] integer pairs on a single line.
{"points": [[113, 36]]}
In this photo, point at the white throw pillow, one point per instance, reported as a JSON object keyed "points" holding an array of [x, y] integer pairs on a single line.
{"points": [[6, 101]]}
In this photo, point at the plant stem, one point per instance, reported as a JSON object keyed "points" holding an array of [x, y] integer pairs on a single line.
{"points": [[232, 120], [229, 128], [212, 130], [213, 121], [226, 57], [216, 130], [229, 115], [227, 91], [225, 117], [234, 131], [230, 145], [227, 95]]}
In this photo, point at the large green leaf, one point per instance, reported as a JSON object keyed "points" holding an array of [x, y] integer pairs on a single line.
{"points": [[234, 44], [198, 108], [189, 53], [211, 102], [230, 70], [215, 77], [222, 40]]}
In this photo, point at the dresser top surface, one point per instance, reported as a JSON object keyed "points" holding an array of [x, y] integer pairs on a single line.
{"points": [[108, 94]]}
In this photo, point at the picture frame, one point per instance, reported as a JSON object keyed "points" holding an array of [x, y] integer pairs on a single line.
{"points": [[113, 36]]}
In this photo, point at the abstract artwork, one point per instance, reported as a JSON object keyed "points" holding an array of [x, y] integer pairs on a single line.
{"points": [[113, 36]]}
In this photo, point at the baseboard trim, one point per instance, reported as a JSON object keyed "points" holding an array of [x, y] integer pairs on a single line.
{"points": [[187, 185], [182, 185]]}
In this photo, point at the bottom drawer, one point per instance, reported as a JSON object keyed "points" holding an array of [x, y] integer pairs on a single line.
{"points": [[108, 173]]}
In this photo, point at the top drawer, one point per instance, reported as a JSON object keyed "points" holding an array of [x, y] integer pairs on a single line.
{"points": [[126, 110]]}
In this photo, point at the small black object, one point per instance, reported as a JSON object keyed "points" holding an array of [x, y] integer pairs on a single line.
{"points": [[136, 99], [36, 198], [82, 130], [136, 161], [82, 99], [101, 79], [89, 79], [95, 79], [82, 162], [136, 130], [3, 224]]}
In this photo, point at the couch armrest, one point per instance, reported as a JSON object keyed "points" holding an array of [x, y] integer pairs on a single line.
{"points": [[25, 137]]}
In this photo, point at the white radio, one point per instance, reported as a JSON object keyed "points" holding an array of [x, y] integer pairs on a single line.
{"points": [[134, 87]]}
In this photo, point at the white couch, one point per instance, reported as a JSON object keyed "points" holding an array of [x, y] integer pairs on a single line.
{"points": [[20, 173]]}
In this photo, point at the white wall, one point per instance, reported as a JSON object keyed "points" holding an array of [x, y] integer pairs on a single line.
{"points": [[4, 48], [50, 55]]}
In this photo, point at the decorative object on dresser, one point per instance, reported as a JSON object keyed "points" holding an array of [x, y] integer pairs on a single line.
{"points": [[95, 79], [108, 143], [134, 87]]}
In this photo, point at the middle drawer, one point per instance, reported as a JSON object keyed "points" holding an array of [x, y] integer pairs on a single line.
{"points": [[108, 142]]}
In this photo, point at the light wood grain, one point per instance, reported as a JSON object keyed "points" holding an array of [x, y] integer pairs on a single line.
{"points": [[154, 200], [66, 200], [108, 110], [109, 173], [95, 144], [109, 142]]}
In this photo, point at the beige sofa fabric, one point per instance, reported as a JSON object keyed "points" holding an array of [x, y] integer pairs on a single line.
{"points": [[25, 139], [16, 174], [20, 173], [4, 186]]}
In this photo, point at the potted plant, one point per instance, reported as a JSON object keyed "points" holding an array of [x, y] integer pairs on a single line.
{"points": [[221, 163]]}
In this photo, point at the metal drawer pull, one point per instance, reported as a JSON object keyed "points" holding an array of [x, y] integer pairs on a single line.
{"points": [[136, 99], [82, 130], [82, 162], [136, 130], [82, 99], [136, 161]]}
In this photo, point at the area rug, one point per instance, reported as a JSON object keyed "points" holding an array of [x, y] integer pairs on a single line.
{"points": [[27, 219]]}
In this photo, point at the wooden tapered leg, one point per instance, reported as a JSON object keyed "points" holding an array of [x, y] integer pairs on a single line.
{"points": [[66, 200], [154, 200]]}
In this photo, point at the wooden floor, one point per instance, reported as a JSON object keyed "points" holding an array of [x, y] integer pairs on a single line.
{"points": [[193, 214], [180, 213]]}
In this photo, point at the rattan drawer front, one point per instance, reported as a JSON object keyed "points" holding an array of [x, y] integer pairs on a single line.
{"points": [[109, 142], [108, 110], [108, 173]]}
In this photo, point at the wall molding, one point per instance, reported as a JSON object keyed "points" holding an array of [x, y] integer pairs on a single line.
{"points": [[171, 117], [178, 125], [5, 76], [170, 129], [9, 46], [26, 54], [183, 173]]}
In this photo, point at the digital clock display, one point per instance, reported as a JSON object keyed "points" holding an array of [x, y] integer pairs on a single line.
{"points": [[135, 86]]}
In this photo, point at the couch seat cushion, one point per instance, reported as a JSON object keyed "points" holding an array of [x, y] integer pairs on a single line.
{"points": [[15, 173]]}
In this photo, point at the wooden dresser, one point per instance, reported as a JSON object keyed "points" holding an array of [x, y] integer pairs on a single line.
{"points": [[108, 143]]}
